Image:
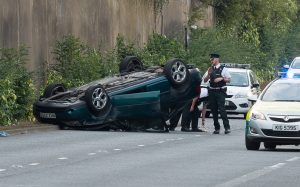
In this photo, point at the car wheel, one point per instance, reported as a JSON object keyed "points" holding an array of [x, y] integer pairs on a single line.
{"points": [[53, 89], [176, 72], [130, 64], [269, 145], [245, 116], [251, 145], [97, 100]]}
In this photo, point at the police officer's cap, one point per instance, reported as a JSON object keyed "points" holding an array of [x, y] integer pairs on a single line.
{"points": [[214, 55]]}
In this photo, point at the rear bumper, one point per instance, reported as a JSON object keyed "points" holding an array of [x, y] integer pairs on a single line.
{"points": [[61, 112]]}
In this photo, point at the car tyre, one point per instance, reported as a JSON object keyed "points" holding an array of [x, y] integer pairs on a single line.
{"points": [[97, 100], [251, 145], [53, 89], [269, 145], [130, 64], [176, 72]]}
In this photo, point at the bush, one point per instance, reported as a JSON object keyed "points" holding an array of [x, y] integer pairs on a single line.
{"points": [[232, 50], [76, 63], [16, 88]]}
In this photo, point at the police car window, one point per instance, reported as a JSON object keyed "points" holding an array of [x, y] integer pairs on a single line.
{"points": [[238, 79], [278, 92], [296, 64]]}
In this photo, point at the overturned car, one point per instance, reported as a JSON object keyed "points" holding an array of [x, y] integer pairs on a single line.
{"points": [[136, 99]]}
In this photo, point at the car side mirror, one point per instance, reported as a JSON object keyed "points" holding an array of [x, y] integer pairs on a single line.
{"points": [[255, 85]]}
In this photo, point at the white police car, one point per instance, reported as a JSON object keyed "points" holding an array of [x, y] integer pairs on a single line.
{"points": [[292, 71], [243, 85]]}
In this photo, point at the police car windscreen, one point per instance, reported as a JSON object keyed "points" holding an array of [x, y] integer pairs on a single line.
{"points": [[283, 92], [238, 79], [296, 64]]}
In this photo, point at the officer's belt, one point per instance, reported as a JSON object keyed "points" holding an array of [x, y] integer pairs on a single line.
{"points": [[217, 88]]}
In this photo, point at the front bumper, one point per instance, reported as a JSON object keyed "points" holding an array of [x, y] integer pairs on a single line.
{"points": [[261, 131]]}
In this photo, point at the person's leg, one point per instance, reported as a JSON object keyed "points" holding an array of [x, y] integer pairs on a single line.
{"points": [[203, 112], [186, 117], [174, 120], [195, 118], [214, 109], [223, 113]]}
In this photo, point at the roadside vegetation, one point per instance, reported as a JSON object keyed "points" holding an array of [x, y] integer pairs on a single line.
{"points": [[264, 34]]}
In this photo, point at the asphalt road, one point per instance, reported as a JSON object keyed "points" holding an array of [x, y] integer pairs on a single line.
{"points": [[134, 159]]}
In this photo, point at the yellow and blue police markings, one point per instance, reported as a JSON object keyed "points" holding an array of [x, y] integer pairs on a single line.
{"points": [[248, 117]]}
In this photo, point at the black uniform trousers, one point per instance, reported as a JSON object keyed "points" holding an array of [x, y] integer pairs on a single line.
{"points": [[188, 117], [217, 103]]}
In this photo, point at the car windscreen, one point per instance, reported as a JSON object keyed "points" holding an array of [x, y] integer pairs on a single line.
{"points": [[296, 64], [282, 92], [239, 79]]}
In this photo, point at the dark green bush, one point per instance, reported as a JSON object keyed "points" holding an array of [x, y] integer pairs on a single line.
{"points": [[16, 88], [76, 63]]}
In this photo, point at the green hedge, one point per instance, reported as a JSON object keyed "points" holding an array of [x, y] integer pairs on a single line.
{"points": [[16, 87]]}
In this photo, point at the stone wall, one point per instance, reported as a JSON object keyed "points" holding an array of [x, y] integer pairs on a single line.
{"points": [[39, 23]]}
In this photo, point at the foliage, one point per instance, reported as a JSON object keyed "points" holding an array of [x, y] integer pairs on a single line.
{"points": [[16, 88], [264, 24], [76, 63], [160, 48]]}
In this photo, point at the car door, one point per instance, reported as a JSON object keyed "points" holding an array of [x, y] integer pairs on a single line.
{"points": [[255, 87], [136, 105]]}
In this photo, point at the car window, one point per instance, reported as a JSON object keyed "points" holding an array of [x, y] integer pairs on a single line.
{"points": [[296, 64], [282, 92], [239, 79]]}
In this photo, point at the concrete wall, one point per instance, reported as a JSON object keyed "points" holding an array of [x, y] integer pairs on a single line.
{"points": [[39, 23]]}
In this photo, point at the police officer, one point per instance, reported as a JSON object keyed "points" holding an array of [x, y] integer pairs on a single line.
{"points": [[218, 76]]}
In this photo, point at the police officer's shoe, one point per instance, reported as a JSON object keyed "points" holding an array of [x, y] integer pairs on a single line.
{"points": [[171, 128], [197, 130], [185, 130], [227, 131], [216, 132]]}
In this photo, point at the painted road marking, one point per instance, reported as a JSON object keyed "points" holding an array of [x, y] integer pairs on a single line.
{"points": [[17, 166], [62, 158], [34, 164], [1, 170], [279, 165], [141, 145], [117, 149], [250, 176], [293, 159], [161, 142], [91, 154]]}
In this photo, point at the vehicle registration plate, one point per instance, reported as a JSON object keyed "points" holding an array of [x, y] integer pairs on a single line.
{"points": [[47, 115], [285, 127], [226, 103]]}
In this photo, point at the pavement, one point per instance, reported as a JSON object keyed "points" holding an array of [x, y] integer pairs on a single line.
{"points": [[25, 128]]}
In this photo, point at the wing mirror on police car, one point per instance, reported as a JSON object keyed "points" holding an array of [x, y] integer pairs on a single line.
{"points": [[255, 85]]}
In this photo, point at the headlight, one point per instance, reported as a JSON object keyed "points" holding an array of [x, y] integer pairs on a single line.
{"points": [[239, 95], [257, 115]]}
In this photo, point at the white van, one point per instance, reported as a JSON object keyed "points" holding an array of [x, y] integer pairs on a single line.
{"points": [[243, 85]]}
